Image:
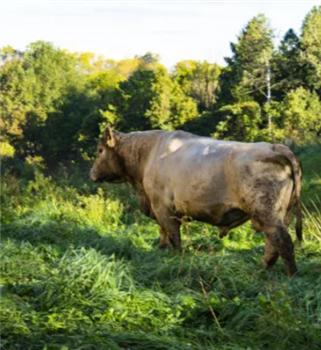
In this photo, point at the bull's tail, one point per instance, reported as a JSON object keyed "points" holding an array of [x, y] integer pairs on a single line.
{"points": [[297, 175]]}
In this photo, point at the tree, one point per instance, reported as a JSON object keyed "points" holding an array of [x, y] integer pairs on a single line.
{"points": [[183, 108], [249, 67], [16, 102], [159, 111], [311, 45], [138, 94], [98, 104], [56, 73], [51, 102], [8, 53], [241, 122], [297, 119], [248, 76], [199, 80], [6, 150], [169, 107], [290, 71], [88, 62], [32, 87], [302, 116], [125, 67]]}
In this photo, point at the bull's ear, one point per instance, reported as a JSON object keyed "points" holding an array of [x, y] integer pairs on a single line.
{"points": [[109, 137]]}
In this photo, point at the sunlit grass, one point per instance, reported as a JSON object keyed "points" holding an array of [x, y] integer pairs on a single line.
{"points": [[80, 270]]}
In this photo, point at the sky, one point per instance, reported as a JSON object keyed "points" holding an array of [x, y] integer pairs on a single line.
{"points": [[176, 30]]}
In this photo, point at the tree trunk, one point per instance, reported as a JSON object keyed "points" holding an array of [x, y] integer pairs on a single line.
{"points": [[268, 85]]}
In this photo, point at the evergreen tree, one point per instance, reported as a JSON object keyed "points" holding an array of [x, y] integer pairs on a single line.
{"points": [[250, 66], [311, 46], [290, 71]]}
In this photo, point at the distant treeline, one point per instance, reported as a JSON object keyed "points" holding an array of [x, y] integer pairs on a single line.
{"points": [[54, 103]]}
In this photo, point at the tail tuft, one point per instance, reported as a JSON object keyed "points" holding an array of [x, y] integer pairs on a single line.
{"points": [[298, 225]]}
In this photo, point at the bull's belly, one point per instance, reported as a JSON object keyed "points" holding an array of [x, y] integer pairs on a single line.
{"points": [[220, 215], [230, 218]]}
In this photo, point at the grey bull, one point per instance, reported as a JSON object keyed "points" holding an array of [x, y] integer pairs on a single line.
{"points": [[177, 174]]}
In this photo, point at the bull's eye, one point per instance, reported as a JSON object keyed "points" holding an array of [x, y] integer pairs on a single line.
{"points": [[100, 150]]}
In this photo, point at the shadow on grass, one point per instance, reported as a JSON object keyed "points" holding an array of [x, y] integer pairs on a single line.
{"points": [[64, 236], [150, 266], [234, 287]]}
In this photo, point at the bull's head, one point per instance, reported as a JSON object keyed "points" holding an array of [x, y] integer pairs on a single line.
{"points": [[108, 165]]}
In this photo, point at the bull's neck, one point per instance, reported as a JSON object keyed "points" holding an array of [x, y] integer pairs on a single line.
{"points": [[134, 149]]}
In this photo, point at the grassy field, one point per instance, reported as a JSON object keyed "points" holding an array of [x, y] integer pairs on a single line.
{"points": [[80, 270]]}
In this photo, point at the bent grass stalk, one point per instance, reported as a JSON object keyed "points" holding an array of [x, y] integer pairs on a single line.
{"points": [[186, 224], [314, 219]]}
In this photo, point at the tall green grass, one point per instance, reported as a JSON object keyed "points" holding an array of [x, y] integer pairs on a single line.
{"points": [[80, 269]]}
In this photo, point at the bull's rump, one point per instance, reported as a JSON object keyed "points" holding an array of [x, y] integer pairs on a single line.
{"points": [[207, 179]]}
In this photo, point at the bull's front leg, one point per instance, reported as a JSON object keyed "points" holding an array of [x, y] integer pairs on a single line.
{"points": [[169, 227], [164, 243], [271, 253], [173, 231]]}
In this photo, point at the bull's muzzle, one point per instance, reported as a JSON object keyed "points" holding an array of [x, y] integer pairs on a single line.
{"points": [[92, 176]]}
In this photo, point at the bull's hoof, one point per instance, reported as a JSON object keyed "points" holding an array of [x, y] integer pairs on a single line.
{"points": [[223, 232], [292, 272]]}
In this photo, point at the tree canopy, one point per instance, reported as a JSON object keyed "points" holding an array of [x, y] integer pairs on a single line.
{"points": [[54, 103]]}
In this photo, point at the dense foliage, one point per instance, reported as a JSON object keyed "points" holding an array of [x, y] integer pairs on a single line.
{"points": [[54, 102]]}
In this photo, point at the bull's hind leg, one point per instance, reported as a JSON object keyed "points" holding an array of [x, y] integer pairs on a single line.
{"points": [[278, 237], [271, 253], [268, 198]]}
